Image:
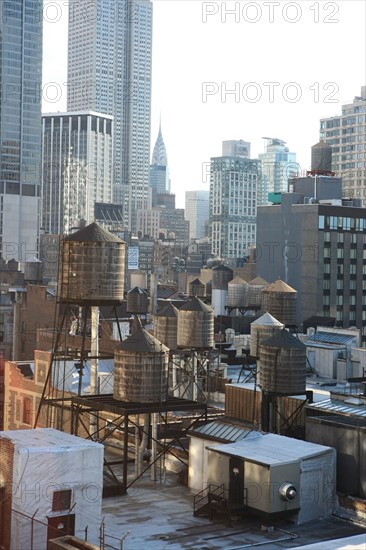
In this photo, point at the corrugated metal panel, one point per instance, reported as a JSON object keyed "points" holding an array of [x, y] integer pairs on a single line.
{"points": [[339, 407], [224, 431], [332, 337]]}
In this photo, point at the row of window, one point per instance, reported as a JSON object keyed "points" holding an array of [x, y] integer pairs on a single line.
{"points": [[341, 222]]}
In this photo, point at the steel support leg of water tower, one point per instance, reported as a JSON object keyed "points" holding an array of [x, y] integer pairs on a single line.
{"points": [[125, 455], [265, 414]]}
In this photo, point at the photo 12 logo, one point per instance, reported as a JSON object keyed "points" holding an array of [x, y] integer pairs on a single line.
{"points": [[270, 12], [270, 92]]}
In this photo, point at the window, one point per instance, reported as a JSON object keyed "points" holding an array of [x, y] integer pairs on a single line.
{"points": [[353, 253], [61, 500], [333, 222], [27, 410]]}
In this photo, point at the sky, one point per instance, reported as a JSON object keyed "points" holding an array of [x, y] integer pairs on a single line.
{"points": [[235, 70]]}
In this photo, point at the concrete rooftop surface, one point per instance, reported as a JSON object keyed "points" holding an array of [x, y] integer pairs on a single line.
{"points": [[159, 516]]}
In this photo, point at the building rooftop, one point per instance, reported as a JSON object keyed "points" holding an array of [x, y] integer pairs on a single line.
{"points": [[335, 406], [272, 449], [159, 516], [40, 439]]}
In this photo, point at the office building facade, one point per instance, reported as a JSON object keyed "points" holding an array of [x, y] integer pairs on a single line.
{"points": [[320, 250], [20, 127], [109, 71], [346, 134], [77, 168], [197, 208], [233, 206]]}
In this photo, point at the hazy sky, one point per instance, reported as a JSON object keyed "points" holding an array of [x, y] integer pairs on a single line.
{"points": [[286, 64]]}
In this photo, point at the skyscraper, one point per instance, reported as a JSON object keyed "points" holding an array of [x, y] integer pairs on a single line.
{"points": [[109, 71], [278, 166], [77, 169], [346, 134], [197, 213], [20, 126], [159, 173], [233, 206]]}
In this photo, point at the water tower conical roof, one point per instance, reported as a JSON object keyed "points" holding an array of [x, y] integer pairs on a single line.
{"points": [[169, 311], [237, 281], [197, 281], [221, 267], [267, 320], [93, 233], [283, 339], [142, 342], [196, 305], [258, 281], [279, 286], [137, 290]]}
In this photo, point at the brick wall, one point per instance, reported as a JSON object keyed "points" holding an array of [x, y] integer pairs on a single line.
{"points": [[2, 392], [37, 311], [22, 394], [6, 490]]}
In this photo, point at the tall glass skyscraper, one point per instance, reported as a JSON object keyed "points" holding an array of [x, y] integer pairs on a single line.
{"points": [[109, 71], [20, 126], [197, 213], [278, 166]]}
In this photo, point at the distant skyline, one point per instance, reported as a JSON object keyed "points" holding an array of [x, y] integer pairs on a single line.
{"points": [[202, 52]]}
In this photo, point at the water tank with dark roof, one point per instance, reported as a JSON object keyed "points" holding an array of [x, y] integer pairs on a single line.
{"points": [[33, 271], [221, 275], [141, 369], [195, 325], [197, 288], [321, 158], [137, 301], [279, 299], [283, 364], [92, 267], [166, 326]]}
